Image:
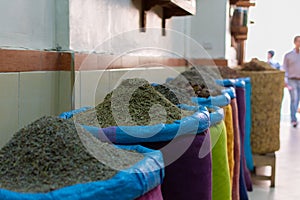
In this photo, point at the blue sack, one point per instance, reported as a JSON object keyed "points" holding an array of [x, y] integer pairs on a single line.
{"points": [[128, 184], [194, 124]]}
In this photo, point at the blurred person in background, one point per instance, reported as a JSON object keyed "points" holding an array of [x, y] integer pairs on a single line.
{"points": [[271, 60], [291, 65]]}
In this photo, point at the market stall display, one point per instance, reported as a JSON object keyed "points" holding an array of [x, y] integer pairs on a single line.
{"points": [[192, 135], [246, 83], [180, 141], [223, 101]]}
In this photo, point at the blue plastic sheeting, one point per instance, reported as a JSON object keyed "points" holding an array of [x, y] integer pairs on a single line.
{"points": [[68, 115], [215, 117], [194, 124], [244, 83], [230, 91], [125, 185], [220, 100], [240, 82], [154, 84]]}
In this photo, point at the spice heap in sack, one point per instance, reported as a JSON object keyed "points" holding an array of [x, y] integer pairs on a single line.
{"points": [[227, 72], [257, 65], [52, 153], [168, 93], [197, 81], [133, 103]]}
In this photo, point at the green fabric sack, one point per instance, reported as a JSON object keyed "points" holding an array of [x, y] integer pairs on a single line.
{"points": [[220, 169]]}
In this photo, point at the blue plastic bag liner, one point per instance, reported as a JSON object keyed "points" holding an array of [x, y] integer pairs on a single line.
{"points": [[230, 91], [154, 84], [189, 107], [194, 124], [217, 116], [240, 82], [220, 100], [125, 185], [244, 83], [68, 115]]}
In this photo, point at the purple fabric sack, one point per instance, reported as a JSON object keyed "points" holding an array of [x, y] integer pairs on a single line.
{"points": [[190, 175], [154, 194], [241, 101]]}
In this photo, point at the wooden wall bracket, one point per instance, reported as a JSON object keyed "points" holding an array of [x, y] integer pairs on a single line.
{"points": [[169, 8]]}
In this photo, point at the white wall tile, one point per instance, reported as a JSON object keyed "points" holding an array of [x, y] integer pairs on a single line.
{"points": [[65, 92], [9, 106], [94, 87], [38, 95], [76, 90]]}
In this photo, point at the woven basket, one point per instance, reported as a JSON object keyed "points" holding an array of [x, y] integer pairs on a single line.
{"points": [[267, 94]]}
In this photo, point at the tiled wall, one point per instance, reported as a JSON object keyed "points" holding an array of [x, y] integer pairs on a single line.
{"points": [[27, 96], [9, 97]]}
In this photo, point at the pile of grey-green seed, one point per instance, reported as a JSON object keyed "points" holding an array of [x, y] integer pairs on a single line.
{"points": [[52, 153], [134, 102]]}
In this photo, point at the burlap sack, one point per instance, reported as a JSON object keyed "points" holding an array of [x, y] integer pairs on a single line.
{"points": [[267, 94]]}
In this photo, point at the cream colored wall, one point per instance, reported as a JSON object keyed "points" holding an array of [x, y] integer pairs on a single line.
{"points": [[111, 26], [92, 86], [34, 24], [27, 96]]}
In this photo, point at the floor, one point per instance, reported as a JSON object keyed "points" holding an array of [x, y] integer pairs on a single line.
{"points": [[288, 164]]}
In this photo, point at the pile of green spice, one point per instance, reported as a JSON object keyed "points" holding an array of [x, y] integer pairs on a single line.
{"points": [[133, 103], [52, 153], [168, 93], [175, 94]]}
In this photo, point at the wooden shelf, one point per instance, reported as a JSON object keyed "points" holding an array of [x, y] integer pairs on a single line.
{"points": [[239, 30], [181, 7], [233, 2], [244, 4], [241, 37], [170, 8], [173, 7]]}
